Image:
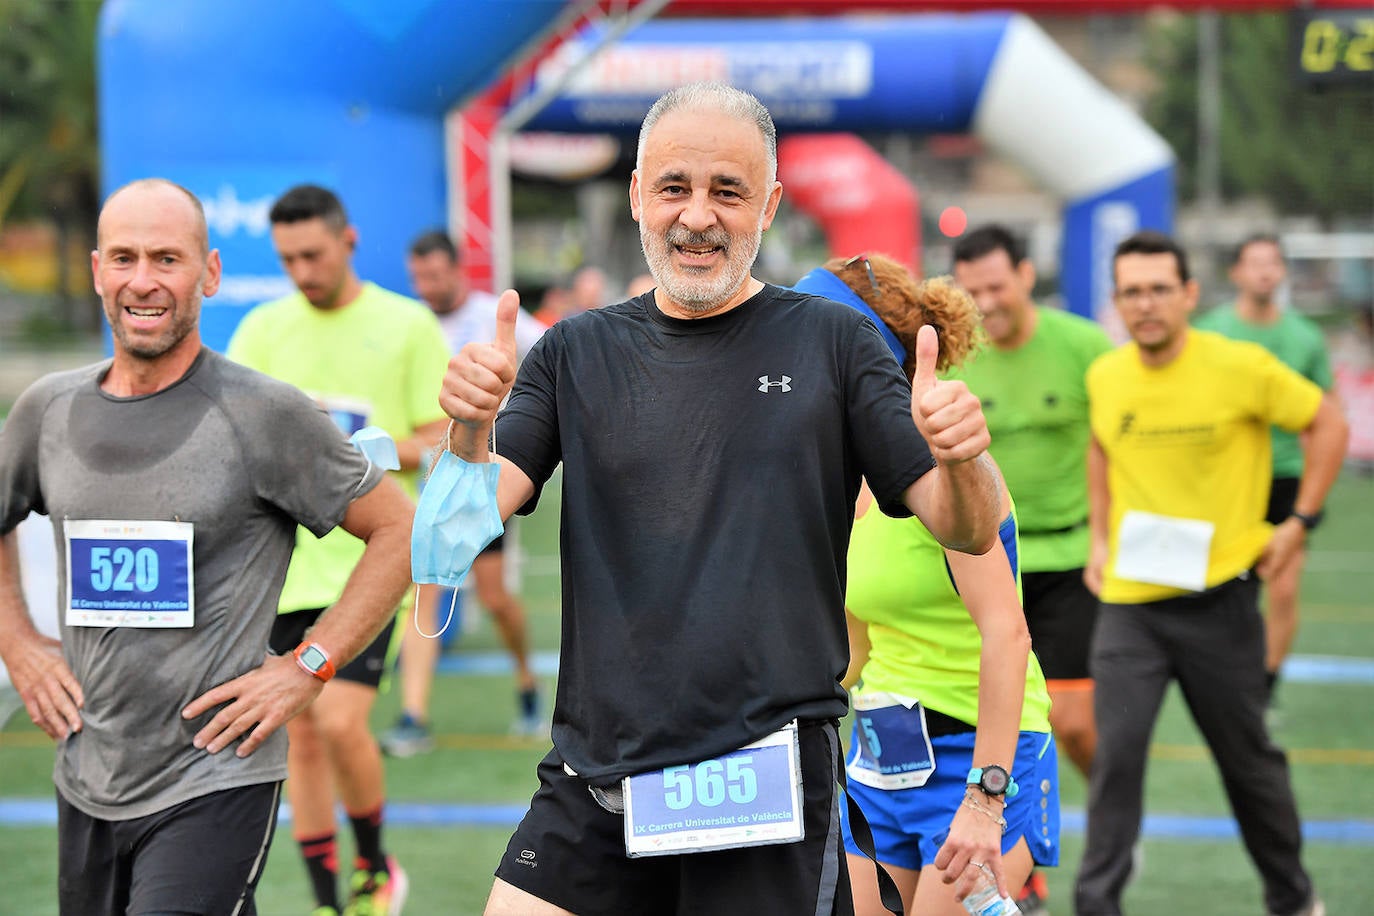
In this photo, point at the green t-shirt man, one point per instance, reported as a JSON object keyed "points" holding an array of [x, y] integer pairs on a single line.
{"points": [[378, 361], [1299, 344], [1036, 405]]}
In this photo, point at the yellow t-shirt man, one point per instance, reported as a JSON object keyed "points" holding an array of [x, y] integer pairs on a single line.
{"points": [[378, 361], [1190, 440]]}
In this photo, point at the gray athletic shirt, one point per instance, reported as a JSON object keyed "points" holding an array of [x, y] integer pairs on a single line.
{"points": [[241, 457]]}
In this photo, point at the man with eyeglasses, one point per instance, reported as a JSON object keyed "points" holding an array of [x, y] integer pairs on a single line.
{"points": [[1178, 480]]}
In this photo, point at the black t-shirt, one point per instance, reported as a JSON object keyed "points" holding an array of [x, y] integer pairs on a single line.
{"points": [[710, 469]]}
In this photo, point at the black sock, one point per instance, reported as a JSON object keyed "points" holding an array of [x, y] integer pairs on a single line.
{"points": [[322, 865], [367, 831], [529, 702]]}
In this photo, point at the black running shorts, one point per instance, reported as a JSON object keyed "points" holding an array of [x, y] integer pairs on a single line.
{"points": [[203, 856], [1060, 614], [570, 851], [1283, 493], [288, 630]]}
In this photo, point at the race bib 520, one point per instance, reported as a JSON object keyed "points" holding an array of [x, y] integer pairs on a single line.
{"points": [[129, 573]]}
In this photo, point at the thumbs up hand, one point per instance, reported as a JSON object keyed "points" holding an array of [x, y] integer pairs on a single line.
{"points": [[946, 413], [478, 379]]}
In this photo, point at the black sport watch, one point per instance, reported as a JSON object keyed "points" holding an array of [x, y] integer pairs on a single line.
{"points": [[1309, 521], [993, 781]]}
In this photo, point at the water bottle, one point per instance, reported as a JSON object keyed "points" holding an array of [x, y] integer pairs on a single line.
{"points": [[984, 900]]}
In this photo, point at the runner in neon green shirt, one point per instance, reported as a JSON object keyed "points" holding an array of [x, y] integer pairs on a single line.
{"points": [[370, 358], [379, 362]]}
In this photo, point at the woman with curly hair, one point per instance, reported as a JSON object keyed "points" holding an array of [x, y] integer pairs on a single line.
{"points": [[951, 749]]}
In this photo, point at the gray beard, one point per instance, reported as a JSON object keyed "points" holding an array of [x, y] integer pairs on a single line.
{"points": [[697, 298]]}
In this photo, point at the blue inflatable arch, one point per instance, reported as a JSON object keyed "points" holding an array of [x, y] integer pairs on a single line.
{"points": [[995, 75], [240, 100]]}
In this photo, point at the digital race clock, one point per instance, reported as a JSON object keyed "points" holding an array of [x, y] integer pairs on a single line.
{"points": [[1334, 47]]}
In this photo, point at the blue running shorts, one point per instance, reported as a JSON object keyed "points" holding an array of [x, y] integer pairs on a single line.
{"points": [[910, 825]]}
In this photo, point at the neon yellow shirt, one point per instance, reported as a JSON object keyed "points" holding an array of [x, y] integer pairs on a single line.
{"points": [[378, 361], [1191, 440], [923, 642]]}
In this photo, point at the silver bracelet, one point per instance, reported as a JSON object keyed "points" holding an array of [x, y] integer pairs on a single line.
{"points": [[987, 812]]}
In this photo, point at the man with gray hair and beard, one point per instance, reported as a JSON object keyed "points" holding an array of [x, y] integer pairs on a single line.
{"points": [[713, 433]]}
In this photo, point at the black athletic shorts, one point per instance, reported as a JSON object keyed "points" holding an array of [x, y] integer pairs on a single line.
{"points": [[1283, 493], [203, 856], [368, 668], [1060, 614], [496, 546], [570, 851]]}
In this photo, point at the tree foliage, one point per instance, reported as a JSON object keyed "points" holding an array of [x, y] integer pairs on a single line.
{"points": [[49, 157], [1306, 150], [48, 137]]}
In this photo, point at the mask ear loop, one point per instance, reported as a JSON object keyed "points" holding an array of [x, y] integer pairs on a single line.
{"points": [[415, 615], [448, 439]]}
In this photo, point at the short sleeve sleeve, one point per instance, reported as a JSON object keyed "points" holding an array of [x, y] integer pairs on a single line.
{"points": [[301, 462], [892, 455], [527, 431], [20, 490], [1287, 399]]}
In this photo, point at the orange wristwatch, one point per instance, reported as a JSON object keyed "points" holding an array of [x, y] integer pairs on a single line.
{"points": [[314, 660]]}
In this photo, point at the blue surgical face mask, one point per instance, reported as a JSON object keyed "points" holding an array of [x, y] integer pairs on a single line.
{"points": [[379, 447], [456, 518]]}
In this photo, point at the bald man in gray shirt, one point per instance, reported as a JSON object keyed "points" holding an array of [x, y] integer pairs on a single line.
{"points": [[175, 480]]}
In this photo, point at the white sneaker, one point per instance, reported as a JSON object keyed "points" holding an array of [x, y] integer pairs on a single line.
{"points": [[536, 727], [1314, 908], [1137, 862]]}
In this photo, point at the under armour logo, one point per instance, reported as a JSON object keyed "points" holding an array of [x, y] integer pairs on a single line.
{"points": [[765, 383]]}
